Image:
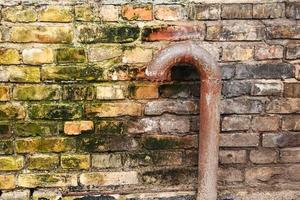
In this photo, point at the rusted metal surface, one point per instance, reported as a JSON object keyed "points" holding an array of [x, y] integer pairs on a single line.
{"points": [[160, 70]]}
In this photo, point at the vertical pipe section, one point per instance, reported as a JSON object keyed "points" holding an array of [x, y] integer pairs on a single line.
{"points": [[159, 70]]}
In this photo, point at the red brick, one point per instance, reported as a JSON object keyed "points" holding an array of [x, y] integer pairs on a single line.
{"points": [[137, 12]]}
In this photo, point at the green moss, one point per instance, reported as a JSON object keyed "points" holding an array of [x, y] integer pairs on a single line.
{"points": [[71, 55], [132, 89], [71, 163], [6, 147], [35, 129], [161, 143], [111, 127]]}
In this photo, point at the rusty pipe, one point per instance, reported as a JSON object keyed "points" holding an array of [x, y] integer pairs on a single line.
{"points": [[159, 69]]}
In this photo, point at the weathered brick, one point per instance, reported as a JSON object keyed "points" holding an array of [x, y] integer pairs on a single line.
{"points": [[36, 92], [106, 91], [4, 74], [293, 10], [50, 194], [78, 92], [11, 163], [5, 130], [45, 145], [121, 33], [178, 90], [291, 122], [292, 89], [239, 52], [37, 56], [137, 12], [239, 140], [70, 55], [55, 111], [107, 160], [42, 161], [236, 88], [281, 140], [236, 11], [173, 32], [232, 156], [78, 127], [111, 127], [241, 105], [264, 52], [263, 156], [41, 34], [6, 147], [47, 180], [75, 161], [283, 29], [26, 129], [109, 13], [169, 12], [263, 175], [174, 124], [265, 123], [16, 195], [12, 111], [144, 125], [267, 88], [24, 74], [230, 175], [268, 10], [283, 106], [109, 178], [114, 109], [143, 91], [203, 12], [104, 53], [4, 93], [7, 182], [19, 14], [227, 71], [137, 55], [56, 14], [236, 123], [84, 13], [290, 155], [293, 52], [9, 56], [171, 106]]}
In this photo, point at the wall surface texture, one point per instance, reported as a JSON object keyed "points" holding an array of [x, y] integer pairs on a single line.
{"points": [[79, 120]]}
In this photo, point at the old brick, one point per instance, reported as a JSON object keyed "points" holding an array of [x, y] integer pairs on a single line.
{"points": [[84, 13], [264, 52], [143, 91], [281, 140], [47, 180], [6, 147], [121, 33], [44, 145], [284, 106], [24, 74], [239, 52], [232, 156], [50, 194], [11, 163], [230, 175], [265, 123], [16, 195], [203, 12], [291, 122], [137, 55], [105, 92], [9, 56], [4, 93], [36, 92], [265, 71], [263, 156], [10, 111], [109, 178], [137, 12], [268, 10], [178, 90], [75, 161], [293, 10], [292, 89], [267, 88], [293, 52], [283, 29], [78, 92], [239, 140], [112, 127], [54, 111], [42, 161], [56, 14], [5, 130], [144, 125], [174, 124], [19, 14], [236, 123], [169, 12], [114, 109], [290, 155], [109, 13], [37, 56], [241, 106], [41, 34], [7, 182], [70, 55], [109, 160], [227, 71], [236, 88], [173, 33], [262, 175], [4, 73], [104, 53], [171, 106], [26, 129], [236, 11], [78, 127]]}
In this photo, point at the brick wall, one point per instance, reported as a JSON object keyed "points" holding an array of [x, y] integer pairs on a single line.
{"points": [[78, 118]]}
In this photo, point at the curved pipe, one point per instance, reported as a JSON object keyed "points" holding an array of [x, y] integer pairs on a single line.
{"points": [[160, 70]]}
